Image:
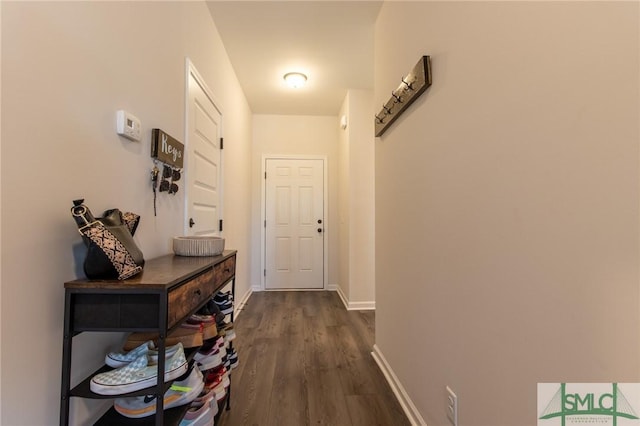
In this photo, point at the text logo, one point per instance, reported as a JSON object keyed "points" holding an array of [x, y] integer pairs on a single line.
{"points": [[562, 404]]}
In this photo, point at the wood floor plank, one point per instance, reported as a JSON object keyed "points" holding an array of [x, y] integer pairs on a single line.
{"points": [[305, 360], [252, 386], [369, 410], [319, 351], [327, 405], [288, 404]]}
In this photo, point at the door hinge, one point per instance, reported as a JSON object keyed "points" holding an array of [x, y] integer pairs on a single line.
{"points": [[265, 223], [265, 273], [221, 143], [220, 225], [265, 175]]}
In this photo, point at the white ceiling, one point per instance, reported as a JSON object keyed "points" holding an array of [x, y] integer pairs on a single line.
{"points": [[330, 41]]}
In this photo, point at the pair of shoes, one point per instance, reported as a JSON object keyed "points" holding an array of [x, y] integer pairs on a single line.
{"points": [[226, 307], [232, 358], [208, 397], [202, 410], [224, 302], [211, 308], [189, 335], [207, 323], [208, 357], [120, 359], [223, 297], [198, 414], [218, 380], [183, 391], [226, 330], [139, 374]]}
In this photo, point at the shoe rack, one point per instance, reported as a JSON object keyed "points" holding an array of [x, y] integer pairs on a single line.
{"points": [[227, 402], [167, 292]]}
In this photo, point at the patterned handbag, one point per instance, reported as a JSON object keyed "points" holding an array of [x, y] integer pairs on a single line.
{"points": [[112, 253]]}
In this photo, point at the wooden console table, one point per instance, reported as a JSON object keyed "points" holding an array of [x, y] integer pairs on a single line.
{"points": [[159, 299]]}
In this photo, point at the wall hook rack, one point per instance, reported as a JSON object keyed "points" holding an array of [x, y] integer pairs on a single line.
{"points": [[411, 87], [396, 99]]}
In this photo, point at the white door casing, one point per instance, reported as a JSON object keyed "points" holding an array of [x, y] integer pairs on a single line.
{"points": [[204, 160], [294, 223]]}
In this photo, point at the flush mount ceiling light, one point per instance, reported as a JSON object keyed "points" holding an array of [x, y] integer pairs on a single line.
{"points": [[295, 80]]}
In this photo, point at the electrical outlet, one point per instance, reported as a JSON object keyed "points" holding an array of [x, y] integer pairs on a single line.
{"points": [[452, 407]]}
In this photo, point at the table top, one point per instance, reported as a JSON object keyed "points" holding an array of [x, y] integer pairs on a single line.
{"points": [[158, 273]]}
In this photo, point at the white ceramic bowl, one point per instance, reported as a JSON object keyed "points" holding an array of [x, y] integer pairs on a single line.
{"points": [[198, 246]]}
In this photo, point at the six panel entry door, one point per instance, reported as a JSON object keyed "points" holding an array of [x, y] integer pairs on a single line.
{"points": [[204, 161], [294, 211]]}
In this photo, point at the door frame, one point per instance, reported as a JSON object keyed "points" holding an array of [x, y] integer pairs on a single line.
{"points": [[263, 215], [190, 69]]}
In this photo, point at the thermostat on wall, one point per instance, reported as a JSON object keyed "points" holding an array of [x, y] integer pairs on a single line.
{"points": [[128, 125]]}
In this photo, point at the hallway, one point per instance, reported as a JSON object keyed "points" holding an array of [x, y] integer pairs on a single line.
{"points": [[306, 360]]}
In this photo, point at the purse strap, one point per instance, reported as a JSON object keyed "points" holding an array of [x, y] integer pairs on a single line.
{"points": [[111, 246], [117, 253]]}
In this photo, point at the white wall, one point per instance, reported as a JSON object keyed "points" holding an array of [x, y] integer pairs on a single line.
{"points": [[362, 199], [357, 201], [344, 188], [0, 222], [294, 135], [66, 69], [507, 203]]}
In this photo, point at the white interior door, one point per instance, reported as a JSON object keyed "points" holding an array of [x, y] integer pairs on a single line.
{"points": [[294, 212], [203, 170]]}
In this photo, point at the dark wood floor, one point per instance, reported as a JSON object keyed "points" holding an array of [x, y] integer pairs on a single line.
{"points": [[306, 360]]}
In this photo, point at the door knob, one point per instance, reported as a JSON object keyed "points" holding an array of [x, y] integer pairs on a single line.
{"points": [[319, 229], [191, 222], [319, 220]]}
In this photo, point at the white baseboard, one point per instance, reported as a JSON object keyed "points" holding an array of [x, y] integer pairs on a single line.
{"points": [[398, 390], [338, 289], [361, 306], [349, 306], [352, 306], [240, 305]]}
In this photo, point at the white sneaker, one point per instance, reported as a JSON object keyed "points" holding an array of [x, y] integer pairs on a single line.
{"points": [[120, 359], [181, 392], [208, 397], [139, 374], [208, 360]]}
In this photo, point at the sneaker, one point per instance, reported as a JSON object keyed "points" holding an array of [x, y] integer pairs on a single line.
{"points": [[200, 317], [198, 414], [208, 397], [139, 374], [226, 308], [222, 371], [223, 297], [216, 382], [214, 309], [190, 335], [208, 359], [207, 323], [120, 359], [217, 342], [228, 333], [182, 392], [223, 326], [232, 356]]}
